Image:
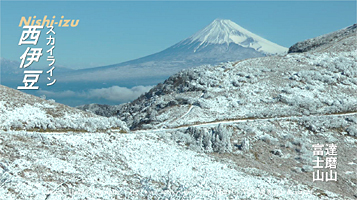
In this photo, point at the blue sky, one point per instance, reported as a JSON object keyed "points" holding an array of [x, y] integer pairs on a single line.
{"points": [[115, 31]]}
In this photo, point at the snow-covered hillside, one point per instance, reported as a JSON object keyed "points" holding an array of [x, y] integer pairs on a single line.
{"points": [[20, 111], [49, 151], [54, 158], [324, 41], [312, 83], [128, 166]]}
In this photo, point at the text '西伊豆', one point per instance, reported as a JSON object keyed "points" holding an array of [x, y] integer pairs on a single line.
{"points": [[30, 36]]}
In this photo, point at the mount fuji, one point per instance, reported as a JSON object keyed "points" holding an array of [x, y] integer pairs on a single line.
{"points": [[226, 32], [220, 41]]}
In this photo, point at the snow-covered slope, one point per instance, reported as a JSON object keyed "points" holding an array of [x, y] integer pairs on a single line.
{"points": [[99, 109], [291, 85], [53, 158], [127, 166], [20, 111], [324, 41], [224, 31]]}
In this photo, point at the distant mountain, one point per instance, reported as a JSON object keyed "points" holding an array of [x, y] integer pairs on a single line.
{"points": [[220, 41], [228, 33], [9, 67], [12, 75]]}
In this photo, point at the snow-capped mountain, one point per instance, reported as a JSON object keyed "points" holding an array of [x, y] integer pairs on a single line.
{"points": [[223, 31]]}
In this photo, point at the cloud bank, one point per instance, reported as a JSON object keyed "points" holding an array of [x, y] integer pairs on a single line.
{"points": [[114, 93]]}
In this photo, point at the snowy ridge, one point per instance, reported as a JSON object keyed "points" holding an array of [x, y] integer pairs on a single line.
{"points": [[317, 43], [20, 111], [276, 86], [238, 91], [222, 31]]}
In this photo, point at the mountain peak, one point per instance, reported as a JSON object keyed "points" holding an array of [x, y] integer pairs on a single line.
{"points": [[225, 31], [219, 20]]}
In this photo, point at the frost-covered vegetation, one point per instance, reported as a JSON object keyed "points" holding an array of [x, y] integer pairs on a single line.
{"points": [[128, 166], [215, 139], [322, 41], [20, 111], [282, 147], [100, 109]]}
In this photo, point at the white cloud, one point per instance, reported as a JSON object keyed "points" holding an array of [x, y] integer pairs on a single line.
{"points": [[114, 93], [67, 93]]}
